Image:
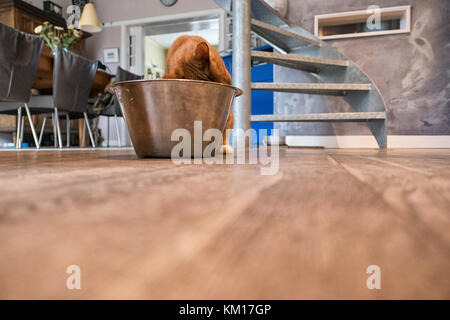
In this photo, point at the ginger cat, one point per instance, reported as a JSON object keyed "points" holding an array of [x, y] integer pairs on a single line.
{"points": [[192, 57]]}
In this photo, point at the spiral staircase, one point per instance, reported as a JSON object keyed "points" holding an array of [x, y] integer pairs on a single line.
{"points": [[298, 49]]}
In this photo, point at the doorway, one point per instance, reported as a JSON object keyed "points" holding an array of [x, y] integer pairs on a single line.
{"points": [[150, 41]]}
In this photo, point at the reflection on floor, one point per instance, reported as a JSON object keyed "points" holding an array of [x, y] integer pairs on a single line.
{"points": [[151, 229]]}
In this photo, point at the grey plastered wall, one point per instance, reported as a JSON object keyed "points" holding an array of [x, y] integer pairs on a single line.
{"points": [[412, 70]]}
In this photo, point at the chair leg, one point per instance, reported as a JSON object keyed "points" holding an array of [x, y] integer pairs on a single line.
{"points": [[58, 128], [107, 133], [55, 134], [117, 131], [22, 122], [89, 129], [19, 126], [95, 130], [33, 131], [68, 130], [83, 136], [42, 129]]}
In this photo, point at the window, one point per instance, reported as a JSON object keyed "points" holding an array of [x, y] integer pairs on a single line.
{"points": [[132, 51], [354, 24]]}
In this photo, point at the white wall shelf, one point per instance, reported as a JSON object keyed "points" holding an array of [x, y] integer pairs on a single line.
{"points": [[343, 25]]}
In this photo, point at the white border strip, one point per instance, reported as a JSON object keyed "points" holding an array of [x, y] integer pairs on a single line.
{"points": [[419, 142], [369, 142]]}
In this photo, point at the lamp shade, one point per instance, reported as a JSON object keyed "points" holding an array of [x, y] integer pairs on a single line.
{"points": [[89, 19]]}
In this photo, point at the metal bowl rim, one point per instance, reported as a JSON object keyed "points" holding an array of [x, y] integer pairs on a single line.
{"points": [[238, 91]]}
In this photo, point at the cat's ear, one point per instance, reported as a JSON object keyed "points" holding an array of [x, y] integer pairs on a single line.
{"points": [[202, 51]]}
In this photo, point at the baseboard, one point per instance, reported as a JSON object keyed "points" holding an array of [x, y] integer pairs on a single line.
{"points": [[112, 144], [393, 142]]}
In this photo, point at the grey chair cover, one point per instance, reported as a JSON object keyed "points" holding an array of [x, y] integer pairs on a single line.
{"points": [[19, 58], [73, 77], [121, 75]]}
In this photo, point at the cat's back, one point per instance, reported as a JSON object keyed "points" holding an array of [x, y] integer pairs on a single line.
{"points": [[183, 49], [183, 45]]}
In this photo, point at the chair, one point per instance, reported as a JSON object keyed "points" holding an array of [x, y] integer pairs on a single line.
{"points": [[73, 77], [19, 58], [114, 109]]}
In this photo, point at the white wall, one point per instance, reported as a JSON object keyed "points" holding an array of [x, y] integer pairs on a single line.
{"points": [[155, 54], [117, 10]]}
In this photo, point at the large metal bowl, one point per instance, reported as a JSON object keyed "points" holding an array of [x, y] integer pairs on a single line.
{"points": [[153, 109]]}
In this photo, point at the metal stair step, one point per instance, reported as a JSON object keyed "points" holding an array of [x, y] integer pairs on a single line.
{"points": [[287, 37], [282, 38], [321, 117], [309, 64], [331, 89]]}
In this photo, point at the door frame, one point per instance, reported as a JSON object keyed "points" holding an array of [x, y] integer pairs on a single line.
{"points": [[135, 28]]}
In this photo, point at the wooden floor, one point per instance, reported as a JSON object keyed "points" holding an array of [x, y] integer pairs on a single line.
{"points": [[150, 229]]}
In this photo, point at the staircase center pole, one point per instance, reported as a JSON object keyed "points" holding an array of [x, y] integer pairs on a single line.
{"points": [[241, 70]]}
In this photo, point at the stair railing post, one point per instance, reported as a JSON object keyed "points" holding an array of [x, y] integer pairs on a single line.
{"points": [[241, 70]]}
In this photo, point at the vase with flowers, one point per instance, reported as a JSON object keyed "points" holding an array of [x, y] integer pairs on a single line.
{"points": [[56, 36]]}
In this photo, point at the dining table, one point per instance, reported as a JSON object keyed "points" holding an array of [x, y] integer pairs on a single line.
{"points": [[44, 76]]}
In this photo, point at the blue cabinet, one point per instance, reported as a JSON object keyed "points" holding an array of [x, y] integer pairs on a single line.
{"points": [[262, 101]]}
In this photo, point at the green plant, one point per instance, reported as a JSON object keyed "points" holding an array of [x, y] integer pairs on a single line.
{"points": [[56, 36]]}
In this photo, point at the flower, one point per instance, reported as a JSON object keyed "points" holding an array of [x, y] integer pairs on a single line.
{"points": [[57, 35], [38, 29]]}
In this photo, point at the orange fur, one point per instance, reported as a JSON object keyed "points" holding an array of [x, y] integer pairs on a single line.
{"points": [[192, 57]]}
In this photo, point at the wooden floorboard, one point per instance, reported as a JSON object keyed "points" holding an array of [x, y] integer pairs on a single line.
{"points": [[151, 229]]}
